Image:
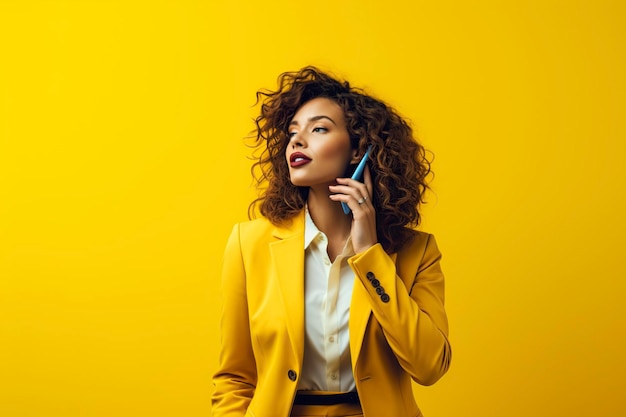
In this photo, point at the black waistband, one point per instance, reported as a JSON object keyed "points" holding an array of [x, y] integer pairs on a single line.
{"points": [[326, 399]]}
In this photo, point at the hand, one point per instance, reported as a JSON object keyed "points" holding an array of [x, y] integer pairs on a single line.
{"points": [[358, 196]]}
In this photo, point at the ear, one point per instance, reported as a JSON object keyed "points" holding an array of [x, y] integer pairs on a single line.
{"points": [[355, 156]]}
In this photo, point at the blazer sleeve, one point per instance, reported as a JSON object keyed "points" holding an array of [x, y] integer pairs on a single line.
{"points": [[235, 379], [407, 299]]}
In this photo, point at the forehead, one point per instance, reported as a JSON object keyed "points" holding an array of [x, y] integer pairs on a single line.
{"points": [[320, 106]]}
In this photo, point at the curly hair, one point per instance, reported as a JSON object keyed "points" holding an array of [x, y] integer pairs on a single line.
{"points": [[398, 163]]}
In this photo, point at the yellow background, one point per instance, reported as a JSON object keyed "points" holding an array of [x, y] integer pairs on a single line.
{"points": [[123, 168]]}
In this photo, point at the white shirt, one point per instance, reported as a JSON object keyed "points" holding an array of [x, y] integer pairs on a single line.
{"points": [[328, 291]]}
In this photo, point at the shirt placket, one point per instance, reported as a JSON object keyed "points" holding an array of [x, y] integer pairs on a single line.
{"points": [[331, 320]]}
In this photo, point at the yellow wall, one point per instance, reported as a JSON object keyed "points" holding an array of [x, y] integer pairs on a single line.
{"points": [[122, 169]]}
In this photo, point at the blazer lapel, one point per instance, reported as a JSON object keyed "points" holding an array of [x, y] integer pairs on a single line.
{"points": [[288, 257]]}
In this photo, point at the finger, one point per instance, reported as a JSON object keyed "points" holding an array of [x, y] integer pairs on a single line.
{"points": [[355, 185], [367, 179], [357, 204], [357, 192]]}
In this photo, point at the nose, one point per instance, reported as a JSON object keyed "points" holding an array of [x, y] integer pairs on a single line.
{"points": [[297, 141]]}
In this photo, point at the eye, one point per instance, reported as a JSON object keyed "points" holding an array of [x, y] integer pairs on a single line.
{"points": [[291, 134], [320, 129]]}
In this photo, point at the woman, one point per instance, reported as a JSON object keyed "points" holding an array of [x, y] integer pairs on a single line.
{"points": [[326, 313]]}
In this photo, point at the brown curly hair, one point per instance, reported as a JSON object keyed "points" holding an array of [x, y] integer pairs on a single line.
{"points": [[398, 163]]}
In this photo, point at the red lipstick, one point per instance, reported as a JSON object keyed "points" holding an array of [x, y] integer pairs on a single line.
{"points": [[298, 159]]}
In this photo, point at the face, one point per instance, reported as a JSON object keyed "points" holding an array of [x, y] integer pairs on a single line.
{"points": [[319, 149]]}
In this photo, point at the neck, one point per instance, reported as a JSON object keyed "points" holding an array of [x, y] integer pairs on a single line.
{"points": [[328, 215]]}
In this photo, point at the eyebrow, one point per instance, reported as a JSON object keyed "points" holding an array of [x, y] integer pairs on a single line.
{"points": [[315, 119]]}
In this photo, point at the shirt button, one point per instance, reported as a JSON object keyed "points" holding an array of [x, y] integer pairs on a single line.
{"points": [[327, 261], [333, 376], [331, 339]]}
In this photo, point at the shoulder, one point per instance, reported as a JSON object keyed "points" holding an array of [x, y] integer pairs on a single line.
{"points": [[261, 229], [419, 239], [258, 226], [250, 233], [422, 247]]}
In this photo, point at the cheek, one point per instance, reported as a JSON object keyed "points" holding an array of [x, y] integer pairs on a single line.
{"points": [[337, 151]]}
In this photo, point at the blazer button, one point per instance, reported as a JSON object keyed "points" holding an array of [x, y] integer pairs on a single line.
{"points": [[292, 375], [384, 298], [370, 276], [375, 283], [380, 290]]}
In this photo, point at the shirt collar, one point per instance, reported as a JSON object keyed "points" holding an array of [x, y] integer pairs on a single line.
{"points": [[311, 232], [310, 229]]}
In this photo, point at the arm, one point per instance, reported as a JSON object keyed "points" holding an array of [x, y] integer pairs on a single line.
{"points": [[235, 379], [413, 318]]}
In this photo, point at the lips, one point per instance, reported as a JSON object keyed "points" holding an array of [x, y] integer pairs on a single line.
{"points": [[298, 159]]}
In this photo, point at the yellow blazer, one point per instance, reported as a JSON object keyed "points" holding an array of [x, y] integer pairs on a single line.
{"points": [[395, 337]]}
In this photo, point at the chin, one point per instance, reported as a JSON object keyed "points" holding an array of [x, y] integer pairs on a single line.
{"points": [[309, 181], [300, 183], [299, 180]]}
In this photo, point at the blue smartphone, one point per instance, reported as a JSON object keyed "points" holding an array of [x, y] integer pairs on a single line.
{"points": [[358, 175]]}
